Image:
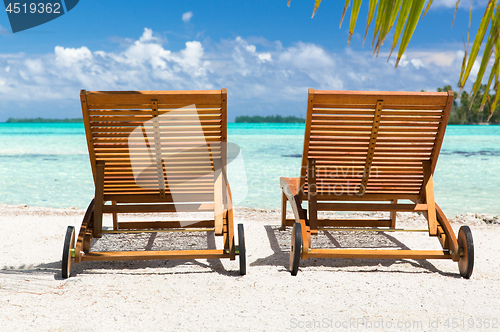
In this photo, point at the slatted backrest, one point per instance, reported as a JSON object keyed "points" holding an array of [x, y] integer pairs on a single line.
{"points": [[371, 145], [156, 145]]}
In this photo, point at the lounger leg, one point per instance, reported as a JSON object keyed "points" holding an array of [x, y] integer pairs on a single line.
{"points": [[283, 211], [393, 215], [99, 200], [115, 218], [230, 231], [84, 237], [448, 239], [306, 238], [312, 196], [429, 199], [218, 197]]}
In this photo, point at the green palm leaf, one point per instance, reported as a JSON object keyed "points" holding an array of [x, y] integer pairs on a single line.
{"points": [[316, 5], [413, 17], [379, 18], [344, 11], [356, 4], [488, 51], [386, 24], [395, 11], [483, 26], [456, 8], [371, 11], [429, 6], [406, 14], [403, 15]]}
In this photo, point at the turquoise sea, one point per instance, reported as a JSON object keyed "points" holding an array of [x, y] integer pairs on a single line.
{"points": [[47, 164]]}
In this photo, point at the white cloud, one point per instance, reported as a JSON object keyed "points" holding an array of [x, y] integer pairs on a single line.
{"points": [[439, 58], [147, 36], [446, 3], [186, 17], [67, 57], [264, 57], [261, 76], [463, 4]]}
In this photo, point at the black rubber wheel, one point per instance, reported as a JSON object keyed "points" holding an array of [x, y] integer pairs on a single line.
{"points": [[241, 250], [466, 247], [69, 244], [295, 249]]}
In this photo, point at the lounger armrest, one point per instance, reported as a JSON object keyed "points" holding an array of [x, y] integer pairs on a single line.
{"points": [[290, 187]]}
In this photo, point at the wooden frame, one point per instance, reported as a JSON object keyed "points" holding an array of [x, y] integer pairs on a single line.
{"points": [[190, 179], [367, 151]]}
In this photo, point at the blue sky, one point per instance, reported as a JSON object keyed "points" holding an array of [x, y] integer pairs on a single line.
{"points": [[266, 54]]}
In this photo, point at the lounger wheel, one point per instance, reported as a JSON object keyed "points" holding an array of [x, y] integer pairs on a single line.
{"points": [[69, 246], [295, 248], [466, 247], [241, 250]]}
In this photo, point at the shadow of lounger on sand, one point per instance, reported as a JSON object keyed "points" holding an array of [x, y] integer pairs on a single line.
{"points": [[279, 241], [140, 241]]}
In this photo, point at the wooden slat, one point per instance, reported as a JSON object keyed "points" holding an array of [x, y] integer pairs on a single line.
{"points": [[357, 135], [169, 135], [211, 126], [155, 198], [336, 110], [353, 222], [371, 207], [131, 225], [117, 98], [379, 254], [137, 208], [391, 99], [148, 255], [367, 197], [121, 112]]}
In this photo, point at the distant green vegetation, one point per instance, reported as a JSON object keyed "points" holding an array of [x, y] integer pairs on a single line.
{"points": [[270, 118], [42, 120], [465, 113]]}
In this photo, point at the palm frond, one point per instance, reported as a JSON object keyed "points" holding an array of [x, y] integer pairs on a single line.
{"points": [[456, 8], [413, 18], [371, 11], [404, 15], [356, 4], [344, 11], [483, 26], [429, 6], [316, 5]]}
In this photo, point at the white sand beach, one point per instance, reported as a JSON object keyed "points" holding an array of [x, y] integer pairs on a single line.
{"points": [[201, 295]]}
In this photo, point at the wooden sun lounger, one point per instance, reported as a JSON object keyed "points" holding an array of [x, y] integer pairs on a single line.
{"points": [[156, 152], [368, 151]]}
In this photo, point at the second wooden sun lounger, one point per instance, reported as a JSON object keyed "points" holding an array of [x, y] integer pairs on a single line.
{"points": [[156, 152], [368, 151]]}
